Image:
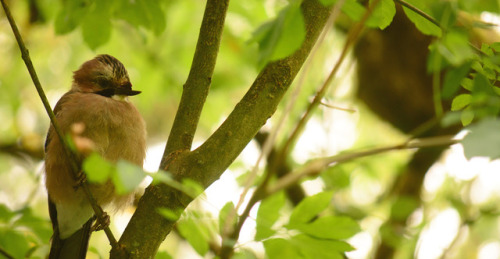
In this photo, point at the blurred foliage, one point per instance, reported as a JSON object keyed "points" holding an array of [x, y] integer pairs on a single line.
{"points": [[281, 36], [480, 133], [156, 40]]}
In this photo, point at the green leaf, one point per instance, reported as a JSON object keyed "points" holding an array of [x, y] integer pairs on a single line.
{"points": [[467, 116], [310, 207], [194, 234], [455, 48], [244, 254], [422, 24], [156, 16], [170, 214], [477, 66], [453, 78], [282, 36], [495, 46], [71, 15], [5, 214], [320, 248], [162, 177], [490, 70], [467, 84], [127, 177], [192, 188], [163, 255], [146, 13], [353, 9], [435, 60], [451, 118], [460, 102], [267, 215], [337, 177], [280, 248], [403, 207], [391, 235], [485, 48], [14, 243], [445, 13], [96, 25], [483, 139], [331, 227], [97, 169], [481, 84], [382, 15], [37, 225], [223, 217], [187, 186], [328, 2], [133, 12]]}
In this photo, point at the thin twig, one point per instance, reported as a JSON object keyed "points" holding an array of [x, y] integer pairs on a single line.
{"points": [[419, 12], [338, 108], [316, 166], [73, 161], [351, 39], [5, 253]]}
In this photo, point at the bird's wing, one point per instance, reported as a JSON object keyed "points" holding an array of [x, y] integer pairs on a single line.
{"points": [[77, 244]]}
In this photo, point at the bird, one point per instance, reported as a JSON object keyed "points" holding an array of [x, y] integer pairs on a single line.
{"points": [[98, 103]]}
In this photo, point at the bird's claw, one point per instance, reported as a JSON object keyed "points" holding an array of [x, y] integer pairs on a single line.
{"points": [[101, 222], [81, 178]]}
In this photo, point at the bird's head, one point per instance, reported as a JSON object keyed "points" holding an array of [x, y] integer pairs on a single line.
{"points": [[104, 75]]}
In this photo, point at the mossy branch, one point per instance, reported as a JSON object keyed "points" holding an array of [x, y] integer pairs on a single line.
{"points": [[147, 229], [197, 85]]}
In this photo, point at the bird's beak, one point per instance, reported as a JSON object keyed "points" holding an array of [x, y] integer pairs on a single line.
{"points": [[109, 92], [126, 92]]}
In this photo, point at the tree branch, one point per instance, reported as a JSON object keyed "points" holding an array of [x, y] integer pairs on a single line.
{"points": [[316, 166], [197, 85], [147, 229], [71, 155], [21, 151]]}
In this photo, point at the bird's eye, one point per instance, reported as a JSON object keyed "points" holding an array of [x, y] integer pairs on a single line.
{"points": [[103, 82], [127, 85]]}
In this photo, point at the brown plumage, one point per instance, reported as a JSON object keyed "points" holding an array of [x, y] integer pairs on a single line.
{"points": [[98, 100]]}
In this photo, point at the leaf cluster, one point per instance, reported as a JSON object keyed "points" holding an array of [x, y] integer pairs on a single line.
{"points": [[95, 18]]}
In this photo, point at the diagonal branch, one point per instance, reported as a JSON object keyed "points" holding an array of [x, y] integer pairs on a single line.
{"points": [[6, 254], [316, 166], [197, 85], [351, 39], [71, 155], [147, 229]]}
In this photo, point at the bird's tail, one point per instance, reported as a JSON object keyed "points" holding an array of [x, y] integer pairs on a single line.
{"points": [[73, 247]]}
